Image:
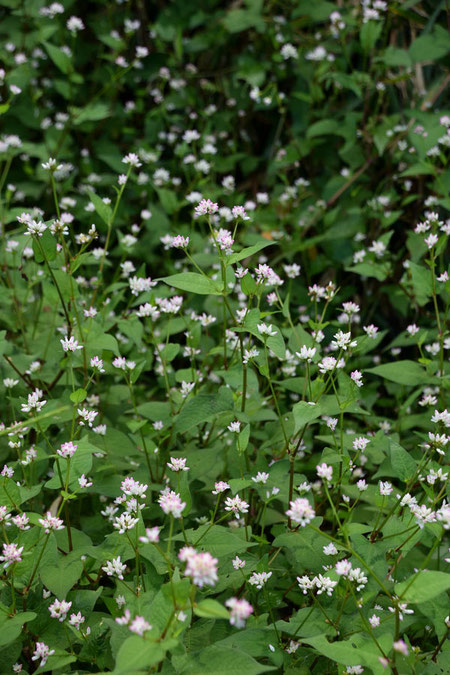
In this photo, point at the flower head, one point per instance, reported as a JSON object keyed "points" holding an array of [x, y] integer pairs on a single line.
{"points": [[240, 610], [301, 511]]}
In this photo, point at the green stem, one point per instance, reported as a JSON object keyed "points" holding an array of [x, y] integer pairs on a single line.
{"points": [[28, 586]]}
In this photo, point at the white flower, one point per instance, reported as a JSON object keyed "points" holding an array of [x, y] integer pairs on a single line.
{"points": [[343, 341], [249, 354], [324, 584], [139, 625], [67, 450], [358, 577], [431, 240], [220, 487], [9, 382], [151, 535], [374, 621], [238, 563], [76, 620], [327, 364], [83, 481], [87, 416], [356, 376], [343, 567], [240, 610], [330, 549], [171, 503], [258, 579], [177, 464], [186, 388], [206, 206], [125, 522], [306, 353], [52, 165], [114, 567], [236, 505], [50, 523], [301, 511], [74, 24], [42, 652], [97, 364], [58, 609], [11, 554], [34, 402], [305, 584], [132, 160], [70, 344], [36, 228], [324, 471], [201, 567], [288, 51], [401, 646], [234, 427], [385, 488], [261, 477]]}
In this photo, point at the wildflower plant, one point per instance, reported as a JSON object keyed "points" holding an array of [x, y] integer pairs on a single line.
{"points": [[224, 340]]}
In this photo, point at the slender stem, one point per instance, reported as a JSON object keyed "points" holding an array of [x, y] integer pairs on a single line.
{"points": [[28, 586]]}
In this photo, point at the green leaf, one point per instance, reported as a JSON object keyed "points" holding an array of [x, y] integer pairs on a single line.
{"points": [[168, 200], [203, 408], [13, 627], [194, 283], [97, 344], [402, 462], [370, 32], [9, 493], [137, 654], [317, 11], [238, 20], [248, 285], [170, 351], [155, 410], [276, 345], [219, 660], [220, 541], [211, 609], [422, 282], [430, 47], [423, 586], [44, 246], [368, 269], [304, 413], [238, 484], [56, 662], [357, 651], [408, 373], [185, 492], [247, 252], [102, 209], [93, 112], [305, 546], [59, 579], [78, 395], [322, 128], [59, 58], [393, 56]]}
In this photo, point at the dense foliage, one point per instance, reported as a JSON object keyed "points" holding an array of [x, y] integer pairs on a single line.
{"points": [[224, 340]]}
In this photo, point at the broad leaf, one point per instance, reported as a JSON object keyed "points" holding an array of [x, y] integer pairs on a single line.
{"points": [[408, 373], [194, 283]]}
